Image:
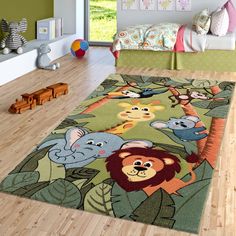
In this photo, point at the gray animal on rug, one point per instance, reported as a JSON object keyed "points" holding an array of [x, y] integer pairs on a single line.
{"points": [[13, 41], [43, 60], [79, 147], [184, 127]]}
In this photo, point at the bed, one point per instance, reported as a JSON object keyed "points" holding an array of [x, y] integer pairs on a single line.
{"points": [[193, 52]]}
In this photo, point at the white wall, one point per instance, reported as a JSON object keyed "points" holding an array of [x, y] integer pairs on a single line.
{"points": [[133, 17], [72, 12]]}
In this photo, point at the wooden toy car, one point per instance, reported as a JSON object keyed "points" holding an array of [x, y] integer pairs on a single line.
{"points": [[27, 103], [43, 95], [59, 89]]}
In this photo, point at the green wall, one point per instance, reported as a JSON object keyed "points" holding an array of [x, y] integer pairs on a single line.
{"points": [[32, 10]]}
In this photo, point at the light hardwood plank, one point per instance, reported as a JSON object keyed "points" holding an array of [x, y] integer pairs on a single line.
{"points": [[19, 134]]}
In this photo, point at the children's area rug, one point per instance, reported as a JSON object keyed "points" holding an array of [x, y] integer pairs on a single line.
{"points": [[138, 148]]}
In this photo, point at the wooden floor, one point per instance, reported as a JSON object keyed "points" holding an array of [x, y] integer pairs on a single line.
{"points": [[19, 134]]}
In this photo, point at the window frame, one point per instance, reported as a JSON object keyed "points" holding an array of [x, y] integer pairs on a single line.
{"points": [[87, 27]]}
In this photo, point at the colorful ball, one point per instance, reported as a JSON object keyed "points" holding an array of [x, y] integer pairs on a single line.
{"points": [[79, 47]]}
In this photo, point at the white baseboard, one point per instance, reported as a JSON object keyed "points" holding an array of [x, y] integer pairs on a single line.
{"points": [[13, 66]]}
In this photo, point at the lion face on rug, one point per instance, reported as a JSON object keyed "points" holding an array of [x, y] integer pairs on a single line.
{"points": [[137, 168]]}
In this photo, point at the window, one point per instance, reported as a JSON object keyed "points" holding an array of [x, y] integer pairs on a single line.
{"points": [[100, 21]]}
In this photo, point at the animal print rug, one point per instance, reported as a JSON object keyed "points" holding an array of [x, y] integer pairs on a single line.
{"points": [[138, 148]]}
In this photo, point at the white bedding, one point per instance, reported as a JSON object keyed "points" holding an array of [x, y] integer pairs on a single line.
{"points": [[194, 42], [226, 42]]}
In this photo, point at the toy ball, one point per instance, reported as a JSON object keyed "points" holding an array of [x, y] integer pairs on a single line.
{"points": [[79, 47]]}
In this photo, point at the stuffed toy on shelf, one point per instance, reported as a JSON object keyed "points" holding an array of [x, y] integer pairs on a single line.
{"points": [[13, 41], [43, 60]]}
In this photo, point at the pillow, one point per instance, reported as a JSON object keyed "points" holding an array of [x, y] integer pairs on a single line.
{"points": [[232, 15], [220, 22], [202, 22]]}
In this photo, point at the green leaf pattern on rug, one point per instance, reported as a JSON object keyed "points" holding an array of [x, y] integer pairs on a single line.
{"points": [[73, 120], [181, 80], [102, 174], [124, 203], [224, 94], [178, 82], [79, 183], [54, 170], [74, 174], [172, 149], [158, 209], [67, 123], [52, 136], [136, 78], [98, 199], [218, 103], [227, 85], [190, 147], [210, 104], [31, 189], [203, 171], [18, 180], [104, 88], [84, 190], [159, 80], [218, 112], [191, 197], [80, 116], [187, 205], [60, 192], [30, 163], [201, 104], [198, 83]]}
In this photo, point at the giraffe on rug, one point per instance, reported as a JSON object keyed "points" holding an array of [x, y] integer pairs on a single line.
{"points": [[132, 114]]}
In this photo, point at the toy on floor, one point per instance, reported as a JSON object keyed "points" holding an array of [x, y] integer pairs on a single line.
{"points": [[13, 41], [58, 89], [43, 60], [79, 48], [43, 95], [29, 101]]}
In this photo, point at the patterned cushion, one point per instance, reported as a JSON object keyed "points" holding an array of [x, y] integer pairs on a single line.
{"points": [[220, 22], [161, 37], [130, 38], [202, 22], [232, 15]]}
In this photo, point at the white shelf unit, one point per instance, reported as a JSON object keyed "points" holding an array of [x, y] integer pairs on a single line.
{"points": [[13, 66]]}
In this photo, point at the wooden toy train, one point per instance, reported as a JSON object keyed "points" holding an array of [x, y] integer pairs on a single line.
{"points": [[30, 101]]}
